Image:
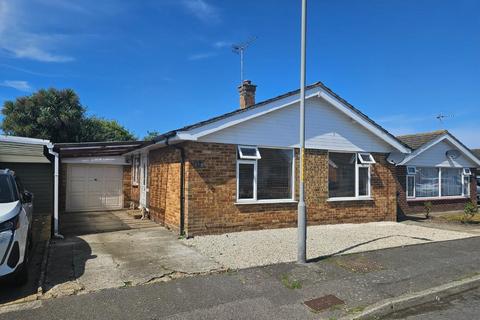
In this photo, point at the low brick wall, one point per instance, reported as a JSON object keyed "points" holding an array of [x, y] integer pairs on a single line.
{"points": [[406, 207]]}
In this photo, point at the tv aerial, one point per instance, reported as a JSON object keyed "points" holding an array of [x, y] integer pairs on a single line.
{"points": [[239, 48]]}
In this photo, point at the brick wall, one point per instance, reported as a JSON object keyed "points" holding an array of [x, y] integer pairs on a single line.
{"points": [[411, 207], [127, 186], [164, 181], [211, 194], [62, 188]]}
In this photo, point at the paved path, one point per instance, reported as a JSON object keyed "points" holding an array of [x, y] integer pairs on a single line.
{"points": [[277, 291], [465, 306], [118, 259]]}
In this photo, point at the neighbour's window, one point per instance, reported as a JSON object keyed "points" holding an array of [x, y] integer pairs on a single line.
{"points": [[349, 175], [267, 177], [427, 182]]}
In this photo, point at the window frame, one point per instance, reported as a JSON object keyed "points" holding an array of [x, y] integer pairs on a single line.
{"points": [[357, 178], [255, 177], [362, 161], [246, 157], [136, 170], [465, 191]]}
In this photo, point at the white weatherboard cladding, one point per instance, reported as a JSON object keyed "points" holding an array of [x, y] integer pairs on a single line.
{"points": [[326, 128], [436, 157]]}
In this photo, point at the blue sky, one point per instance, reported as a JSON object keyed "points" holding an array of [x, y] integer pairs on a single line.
{"points": [[159, 65]]}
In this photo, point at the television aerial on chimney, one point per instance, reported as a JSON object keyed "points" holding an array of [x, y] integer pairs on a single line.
{"points": [[239, 49]]}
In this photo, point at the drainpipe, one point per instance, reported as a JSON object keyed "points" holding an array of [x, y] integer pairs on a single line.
{"points": [[182, 185], [56, 170]]}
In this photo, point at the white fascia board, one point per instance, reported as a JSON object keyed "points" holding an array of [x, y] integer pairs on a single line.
{"points": [[366, 124], [235, 119], [112, 160], [24, 140], [448, 137]]}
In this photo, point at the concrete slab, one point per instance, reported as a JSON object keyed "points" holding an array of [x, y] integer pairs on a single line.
{"points": [[94, 262]]}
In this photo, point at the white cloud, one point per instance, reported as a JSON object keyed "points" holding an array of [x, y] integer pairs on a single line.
{"points": [[222, 44], [202, 10], [19, 42], [16, 84], [201, 56]]}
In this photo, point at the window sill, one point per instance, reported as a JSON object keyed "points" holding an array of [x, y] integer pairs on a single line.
{"points": [[265, 201], [350, 199], [437, 198]]}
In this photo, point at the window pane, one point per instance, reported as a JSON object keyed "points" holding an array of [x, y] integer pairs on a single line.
{"points": [[341, 175], [363, 181], [245, 180], [274, 176], [426, 182], [451, 182], [410, 186], [249, 152], [6, 190]]}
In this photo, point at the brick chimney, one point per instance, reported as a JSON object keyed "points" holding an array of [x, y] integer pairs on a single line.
{"points": [[247, 94]]}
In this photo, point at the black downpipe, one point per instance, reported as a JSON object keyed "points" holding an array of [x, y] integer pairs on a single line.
{"points": [[182, 186]]}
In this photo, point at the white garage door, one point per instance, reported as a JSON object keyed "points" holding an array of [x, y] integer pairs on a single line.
{"points": [[94, 187]]}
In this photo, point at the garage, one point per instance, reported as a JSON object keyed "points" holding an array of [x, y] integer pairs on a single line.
{"points": [[32, 163], [93, 187]]}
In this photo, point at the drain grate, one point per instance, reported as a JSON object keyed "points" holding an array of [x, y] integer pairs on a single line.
{"points": [[325, 302]]}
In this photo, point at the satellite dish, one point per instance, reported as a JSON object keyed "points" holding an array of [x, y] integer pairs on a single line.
{"points": [[395, 157], [453, 154]]}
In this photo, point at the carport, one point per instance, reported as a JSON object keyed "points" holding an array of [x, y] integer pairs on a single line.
{"points": [[92, 179]]}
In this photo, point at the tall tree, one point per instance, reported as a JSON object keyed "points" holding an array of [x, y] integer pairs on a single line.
{"points": [[151, 135], [58, 116], [51, 114], [98, 129]]}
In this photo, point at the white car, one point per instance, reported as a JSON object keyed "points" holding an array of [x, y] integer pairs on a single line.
{"points": [[16, 209]]}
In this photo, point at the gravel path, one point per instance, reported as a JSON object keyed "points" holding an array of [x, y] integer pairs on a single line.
{"points": [[256, 248]]}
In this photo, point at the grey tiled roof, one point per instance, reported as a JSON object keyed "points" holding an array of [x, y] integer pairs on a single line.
{"points": [[415, 141], [476, 152]]}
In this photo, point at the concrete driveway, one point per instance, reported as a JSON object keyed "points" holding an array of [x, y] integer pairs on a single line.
{"points": [[93, 262]]}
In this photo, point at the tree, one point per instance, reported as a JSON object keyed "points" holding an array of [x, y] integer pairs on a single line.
{"points": [[51, 114], [151, 135], [58, 116], [98, 129]]}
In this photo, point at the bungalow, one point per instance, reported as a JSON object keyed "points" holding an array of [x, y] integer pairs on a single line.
{"points": [[240, 171], [440, 171]]}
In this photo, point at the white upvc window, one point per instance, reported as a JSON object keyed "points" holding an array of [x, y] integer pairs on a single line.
{"points": [[269, 177], [248, 152], [436, 183], [136, 170], [349, 176]]}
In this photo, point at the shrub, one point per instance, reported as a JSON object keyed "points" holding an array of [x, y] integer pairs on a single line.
{"points": [[469, 211], [428, 208]]}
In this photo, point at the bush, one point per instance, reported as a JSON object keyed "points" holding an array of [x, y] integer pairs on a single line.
{"points": [[469, 211], [428, 208]]}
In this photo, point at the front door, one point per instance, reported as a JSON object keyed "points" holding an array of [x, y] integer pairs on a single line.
{"points": [[143, 180]]}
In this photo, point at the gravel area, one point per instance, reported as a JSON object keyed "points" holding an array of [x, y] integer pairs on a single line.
{"points": [[256, 248]]}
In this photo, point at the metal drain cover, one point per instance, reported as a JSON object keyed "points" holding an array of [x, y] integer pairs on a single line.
{"points": [[325, 302]]}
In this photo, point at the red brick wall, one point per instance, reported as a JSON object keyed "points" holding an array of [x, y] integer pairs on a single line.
{"points": [[164, 182], [127, 186], [62, 191], [412, 207], [211, 194]]}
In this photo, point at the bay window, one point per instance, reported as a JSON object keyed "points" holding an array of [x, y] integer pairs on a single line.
{"points": [[349, 175], [264, 174], [430, 182]]}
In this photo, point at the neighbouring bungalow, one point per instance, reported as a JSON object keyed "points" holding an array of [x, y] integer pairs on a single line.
{"points": [[440, 171], [240, 171]]}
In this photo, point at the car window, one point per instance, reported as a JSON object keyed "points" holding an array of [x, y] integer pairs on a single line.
{"points": [[7, 193]]}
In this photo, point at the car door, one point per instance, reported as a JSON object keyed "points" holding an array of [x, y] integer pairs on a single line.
{"points": [[26, 198]]}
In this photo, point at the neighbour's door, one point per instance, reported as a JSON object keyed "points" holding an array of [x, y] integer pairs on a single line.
{"points": [[143, 180]]}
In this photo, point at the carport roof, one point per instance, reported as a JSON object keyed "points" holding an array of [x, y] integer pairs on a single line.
{"points": [[95, 149]]}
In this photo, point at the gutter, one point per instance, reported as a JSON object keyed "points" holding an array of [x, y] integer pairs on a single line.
{"points": [[182, 184], [56, 170]]}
